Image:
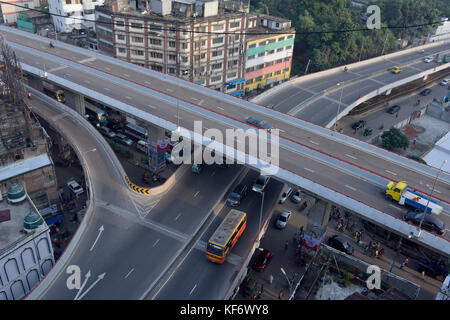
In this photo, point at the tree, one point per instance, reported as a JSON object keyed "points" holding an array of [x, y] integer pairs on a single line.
{"points": [[394, 139]]}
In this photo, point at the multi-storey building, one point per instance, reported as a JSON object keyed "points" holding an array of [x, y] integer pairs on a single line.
{"points": [[9, 12], [26, 253], [198, 40], [269, 48], [73, 14]]}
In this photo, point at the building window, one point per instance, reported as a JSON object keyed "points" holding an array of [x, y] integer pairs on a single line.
{"points": [[280, 49], [172, 44], [217, 53], [281, 39], [184, 45], [217, 66], [217, 27], [172, 70], [156, 55], [251, 57], [137, 39], [277, 25], [155, 42], [286, 70], [157, 68], [253, 45], [272, 40], [268, 64], [68, 1], [262, 43], [268, 75], [258, 78], [137, 52], [250, 69], [217, 40], [235, 24], [120, 37], [279, 61], [271, 52], [121, 50], [120, 23], [260, 66], [232, 75], [184, 59], [172, 57], [261, 54], [232, 64], [249, 81], [216, 78], [288, 47], [136, 25], [277, 72], [290, 37]]}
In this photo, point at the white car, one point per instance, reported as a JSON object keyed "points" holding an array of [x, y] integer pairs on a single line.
{"points": [[427, 59], [260, 183], [75, 187], [445, 82], [297, 196], [283, 219], [286, 194]]}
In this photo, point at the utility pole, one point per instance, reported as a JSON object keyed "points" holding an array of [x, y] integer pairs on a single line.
{"points": [[307, 66], [384, 44]]}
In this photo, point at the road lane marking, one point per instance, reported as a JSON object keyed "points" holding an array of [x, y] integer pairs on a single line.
{"points": [[126, 75], [156, 242], [176, 218], [350, 187], [147, 82], [129, 98], [390, 172], [196, 194], [153, 107], [87, 81], [314, 142], [350, 156], [309, 170], [168, 89], [107, 68], [177, 116], [107, 89], [129, 273], [396, 207], [200, 102], [192, 290], [195, 99], [220, 108], [100, 231]]}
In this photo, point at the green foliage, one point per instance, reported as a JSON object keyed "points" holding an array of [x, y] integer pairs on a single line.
{"points": [[394, 139], [327, 50], [418, 159]]}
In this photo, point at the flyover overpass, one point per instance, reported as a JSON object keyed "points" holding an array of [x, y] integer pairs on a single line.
{"points": [[310, 156], [303, 96]]}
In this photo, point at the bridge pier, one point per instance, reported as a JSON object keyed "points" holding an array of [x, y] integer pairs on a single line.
{"points": [[318, 217], [76, 102]]}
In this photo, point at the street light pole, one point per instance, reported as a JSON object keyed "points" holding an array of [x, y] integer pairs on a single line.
{"points": [[339, 106], [429, 198], [261, 211]]}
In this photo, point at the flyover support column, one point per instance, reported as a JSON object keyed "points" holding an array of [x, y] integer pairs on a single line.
{"points": [[158, 146], [317, 223], [76, 102]]}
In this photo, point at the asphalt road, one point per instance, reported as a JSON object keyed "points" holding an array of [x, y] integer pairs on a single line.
{"points": [[141, 235]]}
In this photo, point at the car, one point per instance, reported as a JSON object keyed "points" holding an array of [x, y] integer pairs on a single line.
{"points": [[123, 139], [238, 194], [297, 196], [260, 183], [396, 69], [428, 59], [393, 109], [263, 260], [75, 187], [430, 222], [259, 123], [425, 92], [358, 124], [283, 219], [286, 194], [107, 132], [444, 82], [339, 243]]}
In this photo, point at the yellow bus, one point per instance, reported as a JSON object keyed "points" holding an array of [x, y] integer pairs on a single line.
{"points": [[226, 235]]}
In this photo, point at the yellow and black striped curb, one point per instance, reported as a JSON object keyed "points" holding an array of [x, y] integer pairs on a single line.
{"points": [[136, 188]]}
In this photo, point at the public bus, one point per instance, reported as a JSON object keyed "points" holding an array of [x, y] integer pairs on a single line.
{"points": [[135, 132], [95, 111], [226, 235]]}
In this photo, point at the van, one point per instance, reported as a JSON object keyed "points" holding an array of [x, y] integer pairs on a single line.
{"points": [[142, 146]]}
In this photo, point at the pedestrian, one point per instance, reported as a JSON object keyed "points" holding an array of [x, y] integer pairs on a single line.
{"points": [[404, 263], [423, 274], [271, 279], [286, 245], [280, 295], [260, 292], [414, 141], [396, 115]]}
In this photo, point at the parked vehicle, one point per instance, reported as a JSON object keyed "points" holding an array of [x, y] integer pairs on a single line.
{"points": [[401, 194], [260, 183], [123, 139], [393, 109], [297, 196], [53, 91], [430, 223], [107, 132], [286, 194], [74, 187], [263, 260], [142, 146], [425, 92], [283, 219], [339, 243], [358, 125], [428, 59], [259, 123], [238, 194], [368, 132], [445, 81]]}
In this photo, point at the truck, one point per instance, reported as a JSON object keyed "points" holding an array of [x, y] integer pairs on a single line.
{"points": [[95, 113], [53, 91], [446, 58], [404, 196]]}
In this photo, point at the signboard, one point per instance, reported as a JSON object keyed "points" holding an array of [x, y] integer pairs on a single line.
{"points": [[235, 82], [5, 215], [237, 93]]}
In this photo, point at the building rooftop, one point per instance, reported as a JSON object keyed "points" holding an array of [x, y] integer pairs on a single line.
{"points": [[260, 32], [33, 13], [11, 231], [268, 17], [23, 166]]}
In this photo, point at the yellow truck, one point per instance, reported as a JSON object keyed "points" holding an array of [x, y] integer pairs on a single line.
{"points": [[53, 91], [400, 193]]}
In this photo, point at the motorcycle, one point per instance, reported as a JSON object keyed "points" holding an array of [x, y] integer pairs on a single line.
{"points": [[51, 45]]}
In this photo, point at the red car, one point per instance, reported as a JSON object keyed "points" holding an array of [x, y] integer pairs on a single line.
{"points": [[263, 260]]}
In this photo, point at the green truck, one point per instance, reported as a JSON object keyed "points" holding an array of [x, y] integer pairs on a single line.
{"points": [[446, 58]]}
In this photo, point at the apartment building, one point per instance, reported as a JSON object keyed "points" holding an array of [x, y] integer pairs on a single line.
{"points": [[198, 40], [73, 14], [9, 12], [269, 49]]}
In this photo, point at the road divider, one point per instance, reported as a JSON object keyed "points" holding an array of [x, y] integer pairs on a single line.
{"points": [[137, 188]]}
